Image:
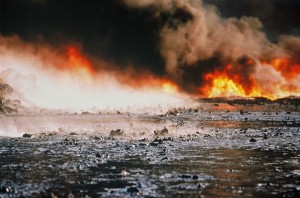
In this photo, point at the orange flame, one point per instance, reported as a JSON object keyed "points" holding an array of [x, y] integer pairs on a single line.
{"points": [[225, 83], [222, 86], [220, 83], [162, 85], [169, 87], [285, 67], [77, 62]]}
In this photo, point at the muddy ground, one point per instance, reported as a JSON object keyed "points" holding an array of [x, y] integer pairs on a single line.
{"points": [[215, 149]]}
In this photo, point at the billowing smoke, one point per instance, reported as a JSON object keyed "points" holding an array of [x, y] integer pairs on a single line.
{"points": [[196, 33], [119, 53], [200, 33]]}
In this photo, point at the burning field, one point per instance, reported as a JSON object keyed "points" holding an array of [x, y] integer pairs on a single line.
{"points": [[150, 98]]}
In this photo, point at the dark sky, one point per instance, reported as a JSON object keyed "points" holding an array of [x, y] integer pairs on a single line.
{"points": [[110, 30], [278, 16], [105, 28]]}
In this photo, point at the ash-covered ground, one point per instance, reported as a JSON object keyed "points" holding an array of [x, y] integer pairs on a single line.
{"points": [[218, 148]]}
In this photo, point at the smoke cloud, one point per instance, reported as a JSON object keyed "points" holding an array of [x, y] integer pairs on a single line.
{"points": [[130, 46], [205, 35]]}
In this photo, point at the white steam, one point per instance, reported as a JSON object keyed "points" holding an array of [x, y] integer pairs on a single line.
{"points": [[30, 70]]}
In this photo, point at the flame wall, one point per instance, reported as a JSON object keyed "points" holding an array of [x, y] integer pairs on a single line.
{"points": [[176, 48]]}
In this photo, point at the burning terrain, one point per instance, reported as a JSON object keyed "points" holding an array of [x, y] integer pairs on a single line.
{"points": [[197, 53], [150, 98]]}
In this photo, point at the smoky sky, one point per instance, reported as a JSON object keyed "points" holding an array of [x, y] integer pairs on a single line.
{"points": [[109, 29], [104, 28], [278, 16]]}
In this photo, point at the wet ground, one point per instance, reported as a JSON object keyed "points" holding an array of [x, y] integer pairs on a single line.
{"points": [[213, 150]]}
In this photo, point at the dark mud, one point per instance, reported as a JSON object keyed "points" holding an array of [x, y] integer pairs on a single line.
{"points": [[207, 151]]}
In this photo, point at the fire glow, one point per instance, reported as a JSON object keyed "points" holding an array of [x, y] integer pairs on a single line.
{"points": [[192, 52], [70, 80], [224, 84], [80, 64]]}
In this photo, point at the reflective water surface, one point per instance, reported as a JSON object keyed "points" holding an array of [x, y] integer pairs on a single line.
{"points": [[95, 166], [209, 151]]}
